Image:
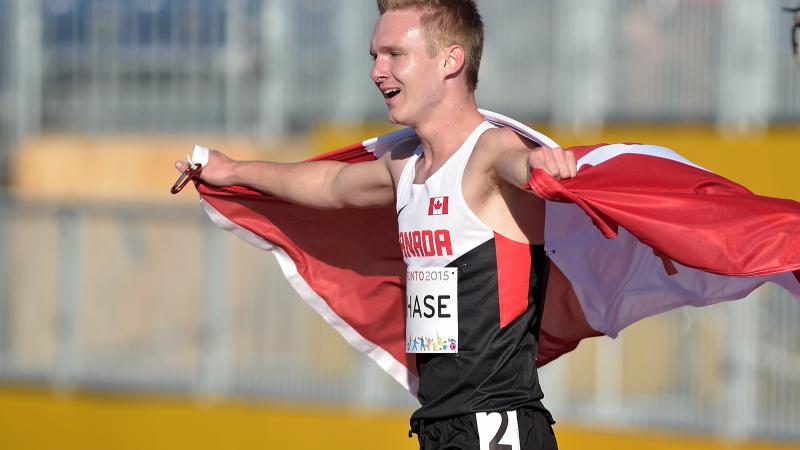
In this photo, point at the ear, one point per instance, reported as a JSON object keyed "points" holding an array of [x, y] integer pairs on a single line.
{"points": [[455, 57]]}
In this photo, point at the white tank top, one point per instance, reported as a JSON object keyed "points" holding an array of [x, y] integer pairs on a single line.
{"points": [[436, 225]]}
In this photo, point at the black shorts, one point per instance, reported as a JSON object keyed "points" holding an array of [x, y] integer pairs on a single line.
{"points": [[524, 429]]}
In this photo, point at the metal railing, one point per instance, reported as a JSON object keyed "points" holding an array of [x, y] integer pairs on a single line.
{"points": [[143, 297], [263, 67]]}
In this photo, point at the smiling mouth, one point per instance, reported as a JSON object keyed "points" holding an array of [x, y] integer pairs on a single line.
{"points": [[389, 93]]}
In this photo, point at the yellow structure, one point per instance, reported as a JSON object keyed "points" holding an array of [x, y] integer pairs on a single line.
{"points": [[33, 420], [139, 167]]}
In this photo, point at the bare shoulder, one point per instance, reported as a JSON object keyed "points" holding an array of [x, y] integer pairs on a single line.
{"points": [[497, 142], [492, 192], [505, 139]]}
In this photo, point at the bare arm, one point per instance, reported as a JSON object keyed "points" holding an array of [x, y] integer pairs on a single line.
{"points": [[516, 157], [318, 184]]}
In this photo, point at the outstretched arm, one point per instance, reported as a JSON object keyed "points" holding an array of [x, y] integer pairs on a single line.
{"points": [[318, 184], [516, 158]]}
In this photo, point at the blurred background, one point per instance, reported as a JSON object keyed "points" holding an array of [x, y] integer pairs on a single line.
{"points": [[127, 320]]}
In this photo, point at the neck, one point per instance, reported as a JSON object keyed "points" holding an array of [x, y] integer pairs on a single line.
{"points": [[445, 129]]}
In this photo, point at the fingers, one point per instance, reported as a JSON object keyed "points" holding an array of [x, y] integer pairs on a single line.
{"points": [[217, 170], [538, 160], [557, 162], [561, 163], [572, 164]]}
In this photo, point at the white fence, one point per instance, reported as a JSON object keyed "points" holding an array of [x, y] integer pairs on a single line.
{"points": [[145, 298]]}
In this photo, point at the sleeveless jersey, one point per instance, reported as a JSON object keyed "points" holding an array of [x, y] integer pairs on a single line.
{"points": [[499, 290]]}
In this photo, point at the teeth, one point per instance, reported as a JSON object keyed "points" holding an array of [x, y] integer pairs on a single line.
{"points": [[391, 91]]}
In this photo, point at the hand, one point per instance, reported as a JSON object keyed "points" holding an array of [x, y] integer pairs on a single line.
{"points": [[557, 162], [219, 170]]}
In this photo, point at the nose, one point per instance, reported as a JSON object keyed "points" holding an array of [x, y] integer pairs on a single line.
{"points": [[378, 72]]}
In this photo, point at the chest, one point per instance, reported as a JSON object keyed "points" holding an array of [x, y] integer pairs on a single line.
{"points": [[436, 226]]}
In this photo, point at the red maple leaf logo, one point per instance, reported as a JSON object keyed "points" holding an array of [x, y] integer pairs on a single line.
{"points": [[438, 204]]}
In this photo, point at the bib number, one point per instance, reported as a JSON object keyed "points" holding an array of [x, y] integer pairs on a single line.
{"points": [[432, 310], [498, 430]]}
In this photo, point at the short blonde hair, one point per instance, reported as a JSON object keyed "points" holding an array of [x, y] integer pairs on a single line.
{"points": [[448, 22]]}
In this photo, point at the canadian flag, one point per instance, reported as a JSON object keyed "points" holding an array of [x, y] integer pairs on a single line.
{"points": [[437, 206], [639, 231]]}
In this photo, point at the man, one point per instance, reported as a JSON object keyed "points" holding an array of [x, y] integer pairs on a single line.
{"points": [[460, 204]]}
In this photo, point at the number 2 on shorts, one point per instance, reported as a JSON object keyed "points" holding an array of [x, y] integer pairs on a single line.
{"points": [[498, 430]]}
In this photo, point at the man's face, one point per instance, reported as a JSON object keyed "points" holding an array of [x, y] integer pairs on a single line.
{"points": [[407, 76]]}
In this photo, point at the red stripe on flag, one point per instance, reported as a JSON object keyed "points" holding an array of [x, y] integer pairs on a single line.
{"points": [[671, 207], [351, 154], [513, 277]]}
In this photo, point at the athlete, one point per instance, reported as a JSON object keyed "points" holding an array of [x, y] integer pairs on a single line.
{"points": [[470, 235]]}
